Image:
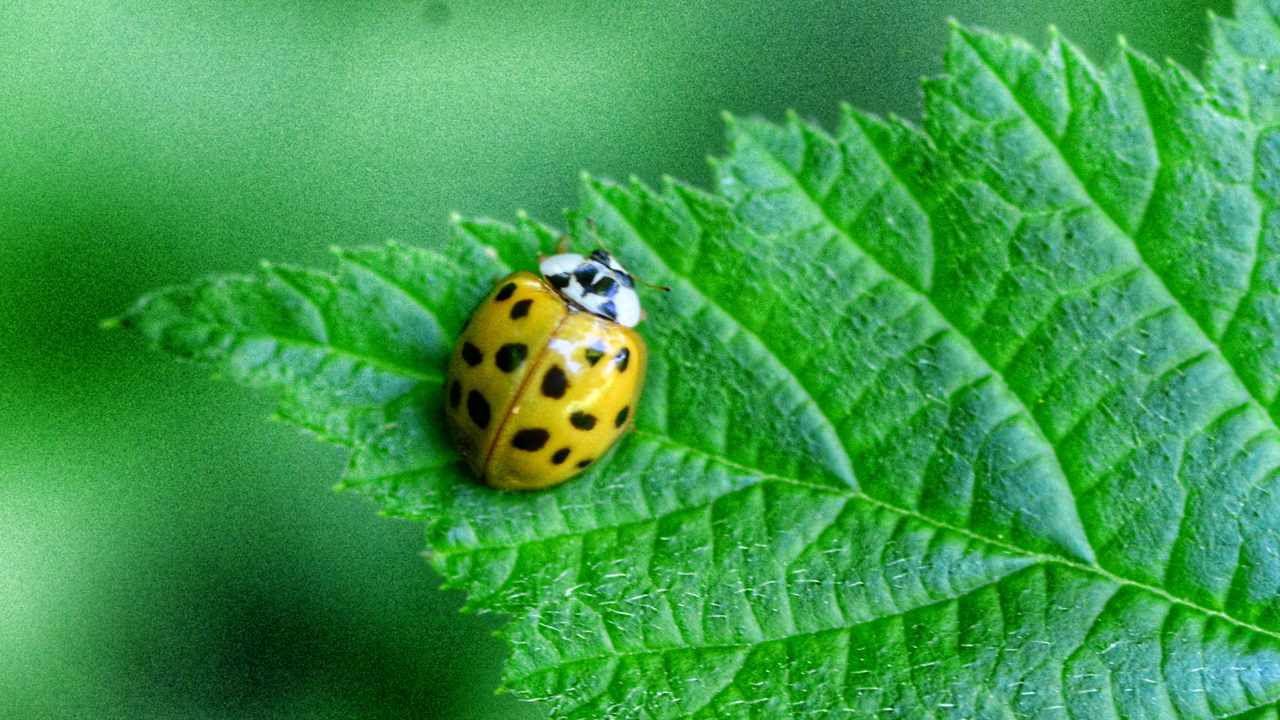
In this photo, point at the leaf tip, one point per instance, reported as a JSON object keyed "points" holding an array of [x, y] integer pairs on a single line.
{"points": [[960, 33], [897, 120], [594, 184]]}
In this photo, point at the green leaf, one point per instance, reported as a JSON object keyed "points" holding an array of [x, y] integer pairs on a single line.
{"points": [[1244, 71], [974, 420]]}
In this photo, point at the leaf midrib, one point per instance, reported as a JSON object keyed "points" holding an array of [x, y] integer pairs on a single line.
{"points": [[389, 367], [1176, 303], [324, 344], [761, 476], [1039, 557]]}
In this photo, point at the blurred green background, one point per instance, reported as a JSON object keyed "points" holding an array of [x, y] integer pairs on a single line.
{"points": [[165, 551]]}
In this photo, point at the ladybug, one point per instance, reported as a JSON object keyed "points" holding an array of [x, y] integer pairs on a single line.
{"points": [[548, 371]]}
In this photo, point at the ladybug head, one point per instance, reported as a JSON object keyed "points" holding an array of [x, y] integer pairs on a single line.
{"points": [[596, 283]]}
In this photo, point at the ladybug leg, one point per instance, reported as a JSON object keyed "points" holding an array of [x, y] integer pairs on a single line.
{"points": [[562, 247]]}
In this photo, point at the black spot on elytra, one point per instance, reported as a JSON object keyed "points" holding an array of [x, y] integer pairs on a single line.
{"points": [[609, 310], [582, 420], [584, 463], [559, 281], [478, 409], [554, 383], [505, 292], [623, 359], [530, 439], [605, 286], [594, 354], [455, 394], [560, 456], [472, 354], [627, 281], [520, 309], [622, 416], [600, 255], [510, 356]]}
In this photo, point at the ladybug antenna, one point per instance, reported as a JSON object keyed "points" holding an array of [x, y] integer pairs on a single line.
{"points": [[651, 286], [595, 233]]}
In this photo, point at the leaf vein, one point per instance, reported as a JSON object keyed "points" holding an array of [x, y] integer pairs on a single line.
{"points": [[1113, 221], [846, 470]]}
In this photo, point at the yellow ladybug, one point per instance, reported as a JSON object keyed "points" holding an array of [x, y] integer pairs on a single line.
{"points": [[548, 371]]}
